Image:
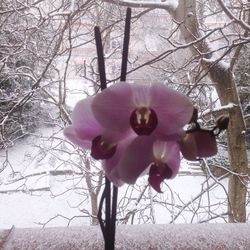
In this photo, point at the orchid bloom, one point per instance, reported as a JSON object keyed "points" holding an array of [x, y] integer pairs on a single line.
{"points": [[145, 109], [153, 114], [137, 129], [101, 122]]}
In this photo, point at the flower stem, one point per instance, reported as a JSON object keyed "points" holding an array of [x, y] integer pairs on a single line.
{"points": [[108, 226], [125, 46], [113, 216], [100, 56]]}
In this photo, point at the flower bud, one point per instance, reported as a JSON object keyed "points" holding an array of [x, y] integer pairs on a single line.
{"points": [[222, 122]]}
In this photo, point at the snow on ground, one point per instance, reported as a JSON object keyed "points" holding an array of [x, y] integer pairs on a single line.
{"points": [[24, 210], [30, 193], [140, 237], [185, 199]]}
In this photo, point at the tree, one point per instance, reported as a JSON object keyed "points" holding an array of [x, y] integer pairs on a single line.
{"points": [[185, 14], [243, 83], [27, 44], [36, 45]]}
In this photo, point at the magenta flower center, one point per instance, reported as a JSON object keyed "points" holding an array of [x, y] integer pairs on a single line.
{"points": [[143, 121], [101, 149]]}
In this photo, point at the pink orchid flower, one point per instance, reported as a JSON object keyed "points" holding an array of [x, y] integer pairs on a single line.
{"points": [[135, 128], [145, 108], [101, 122]]}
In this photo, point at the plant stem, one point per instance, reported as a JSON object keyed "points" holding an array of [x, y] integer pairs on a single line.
{"points": [[108, 226]]}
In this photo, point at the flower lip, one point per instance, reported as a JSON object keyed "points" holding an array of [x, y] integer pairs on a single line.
{"points": [[157, 173], [101, 149], [143, 121]]}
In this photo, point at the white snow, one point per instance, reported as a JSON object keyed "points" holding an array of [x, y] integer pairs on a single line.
{"points": [[220, 63], [42, 206], [184, 199], [172, 4], [140, 237], [230, 105], [216, 58]]}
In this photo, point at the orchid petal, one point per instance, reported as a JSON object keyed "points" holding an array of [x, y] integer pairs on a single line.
{"points": [[85, 127], [101, 149], [110, 169], [172, 157], [159, 149], [72, 135], [141, 96], [155, 179], [173, 109], [113, 106], [136, 158], [110, 165], [84, 122], [143, 121], [112, 174], [200, 143], [167, 152]]}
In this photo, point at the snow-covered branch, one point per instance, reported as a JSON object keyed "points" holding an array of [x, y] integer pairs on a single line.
{"points": [[243, 24], [220, 109], [169, 5]]}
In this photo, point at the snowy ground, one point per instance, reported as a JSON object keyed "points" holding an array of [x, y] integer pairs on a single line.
{"points": [[24, 210], [33, 195]]}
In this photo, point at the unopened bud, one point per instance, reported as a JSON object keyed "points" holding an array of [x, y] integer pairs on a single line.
{"points": [[222, 122]]}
